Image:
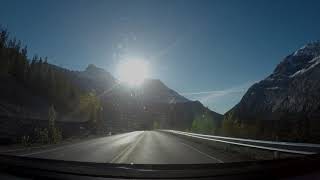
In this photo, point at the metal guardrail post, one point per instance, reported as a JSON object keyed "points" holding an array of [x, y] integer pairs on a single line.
{"points": [[227, 147], [276, 155]]}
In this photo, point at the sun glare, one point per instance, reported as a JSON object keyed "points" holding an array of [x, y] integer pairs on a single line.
{"points": [[133, 72]]}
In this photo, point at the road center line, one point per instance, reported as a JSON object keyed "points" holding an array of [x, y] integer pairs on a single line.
{"points": [[211, 157], [119, 158]]}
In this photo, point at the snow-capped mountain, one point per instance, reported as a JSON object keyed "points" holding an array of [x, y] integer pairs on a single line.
{"points": [[291, 93], [298, 62]]}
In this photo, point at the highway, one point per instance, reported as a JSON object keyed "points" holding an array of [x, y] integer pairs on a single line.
{"points": [[138, 147]]}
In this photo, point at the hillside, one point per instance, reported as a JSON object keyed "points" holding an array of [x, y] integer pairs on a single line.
{"points": [[17, 99]]}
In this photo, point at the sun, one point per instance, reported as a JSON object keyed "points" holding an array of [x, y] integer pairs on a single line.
{"points": [[133, 72]]}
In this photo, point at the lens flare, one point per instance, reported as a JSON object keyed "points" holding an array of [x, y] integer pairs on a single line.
{"points": [[133, 72]]}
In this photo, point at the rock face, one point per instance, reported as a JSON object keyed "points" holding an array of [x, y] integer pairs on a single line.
{"points": [[289, 97]]}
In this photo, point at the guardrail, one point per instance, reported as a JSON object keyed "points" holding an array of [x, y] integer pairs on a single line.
{"points": [[275, 146]]}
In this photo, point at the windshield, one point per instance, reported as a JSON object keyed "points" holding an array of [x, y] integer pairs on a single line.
{"points": [[159, 82]]}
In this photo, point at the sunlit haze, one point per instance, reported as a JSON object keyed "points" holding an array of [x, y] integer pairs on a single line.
{"points": [[133, 72]]}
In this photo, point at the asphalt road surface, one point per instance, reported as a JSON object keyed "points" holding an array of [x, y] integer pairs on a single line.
{"points": [[138, 147]]}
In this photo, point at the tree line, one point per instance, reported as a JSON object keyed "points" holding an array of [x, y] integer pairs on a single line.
{"points": [[51, 82]]}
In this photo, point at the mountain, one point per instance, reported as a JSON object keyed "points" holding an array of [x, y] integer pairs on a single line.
{"points": [[136, 108], [93, 78], [103, 83], [284, 105]]}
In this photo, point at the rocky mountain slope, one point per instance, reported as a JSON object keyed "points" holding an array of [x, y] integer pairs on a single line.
{"points": [[287, 103], [93, 78]]}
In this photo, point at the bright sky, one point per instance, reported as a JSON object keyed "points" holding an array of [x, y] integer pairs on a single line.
{"points": [[211, 50]]}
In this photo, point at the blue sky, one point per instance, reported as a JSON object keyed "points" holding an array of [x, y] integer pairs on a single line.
{"points": [[211, 50]]}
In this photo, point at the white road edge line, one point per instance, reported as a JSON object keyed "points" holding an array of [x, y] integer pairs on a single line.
{"points": [[48, 150], [249, 145], [195, 149]]}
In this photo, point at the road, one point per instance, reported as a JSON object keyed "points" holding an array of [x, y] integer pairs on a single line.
{"points": [[138, 147]]}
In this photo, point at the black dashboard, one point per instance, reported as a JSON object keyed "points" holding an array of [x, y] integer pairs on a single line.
{"points": [[15, 167]]}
